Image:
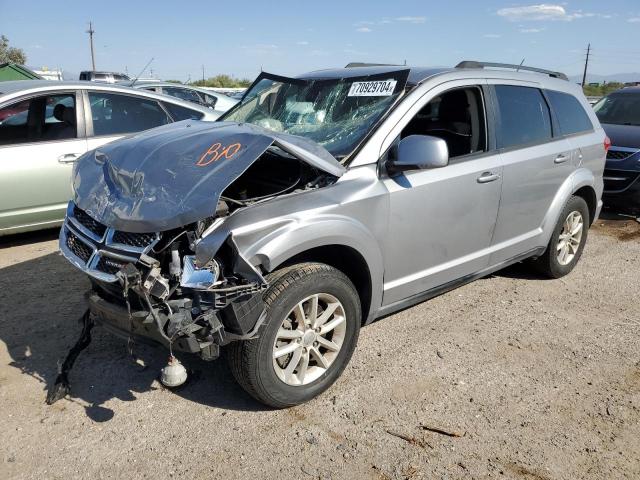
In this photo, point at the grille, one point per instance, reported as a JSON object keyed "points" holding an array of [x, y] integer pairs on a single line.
{"points": [[109, 265], [618, 180], [134, 239], [89, 223], [618, 155], [78, 247], [101, 249]]}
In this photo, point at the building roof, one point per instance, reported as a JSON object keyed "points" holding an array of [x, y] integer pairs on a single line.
{"points": [[13, 71]]}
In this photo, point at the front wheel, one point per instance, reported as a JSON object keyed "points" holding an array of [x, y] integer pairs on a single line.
{"points": [[567, 240], [311, 329]]}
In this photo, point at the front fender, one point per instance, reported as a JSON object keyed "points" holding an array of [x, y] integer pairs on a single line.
{"points": [[268, 244], [299, 236]]}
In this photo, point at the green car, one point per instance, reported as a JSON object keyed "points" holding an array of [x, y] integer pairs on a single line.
{"points": [[46, 125]]}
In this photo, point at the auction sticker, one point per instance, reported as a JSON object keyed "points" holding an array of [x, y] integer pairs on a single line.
{"points": [[378, 88]]}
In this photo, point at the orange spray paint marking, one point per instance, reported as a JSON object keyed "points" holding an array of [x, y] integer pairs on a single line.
{"points": [[216, 152]]}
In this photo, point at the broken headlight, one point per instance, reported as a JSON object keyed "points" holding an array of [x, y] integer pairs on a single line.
{"points": [[198, 278]]}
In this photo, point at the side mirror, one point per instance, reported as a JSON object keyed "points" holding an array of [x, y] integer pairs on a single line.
{"points": [[419, 152]]}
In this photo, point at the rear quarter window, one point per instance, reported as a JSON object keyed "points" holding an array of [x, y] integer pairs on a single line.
{"points": [[523, 116], [569, 112], [178, 112]]}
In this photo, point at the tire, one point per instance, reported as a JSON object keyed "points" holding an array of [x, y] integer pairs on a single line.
{"points": [[550, 263], [252, 361]]}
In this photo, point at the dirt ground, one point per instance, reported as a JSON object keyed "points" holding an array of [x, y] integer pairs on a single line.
{"points": [[535, 379]]}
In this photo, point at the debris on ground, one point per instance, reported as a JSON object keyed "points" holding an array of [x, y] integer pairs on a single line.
{"points": [[442, 431], [409, 439]]}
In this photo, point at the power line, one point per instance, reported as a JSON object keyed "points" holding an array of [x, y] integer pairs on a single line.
{"points": [[91, 31], [586, 63]]}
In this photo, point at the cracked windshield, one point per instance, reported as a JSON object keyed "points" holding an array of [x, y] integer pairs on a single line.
{"points": [[334, 114]]}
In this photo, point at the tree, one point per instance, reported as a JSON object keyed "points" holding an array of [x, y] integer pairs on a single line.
{"points": [[601, 90], [222, 81], [11, 54]]}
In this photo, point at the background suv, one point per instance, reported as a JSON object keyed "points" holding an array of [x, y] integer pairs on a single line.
{"points": [[619, 114], [105, 77]]}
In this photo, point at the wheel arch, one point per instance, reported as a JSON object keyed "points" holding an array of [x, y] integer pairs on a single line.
{"points": [[588, 194], [346, 259], [581, 183]]}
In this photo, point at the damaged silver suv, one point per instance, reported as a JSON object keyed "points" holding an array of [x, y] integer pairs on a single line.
{"points": [[322, 202]]}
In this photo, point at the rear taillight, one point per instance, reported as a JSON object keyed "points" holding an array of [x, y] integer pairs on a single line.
{"points": [[607, 143]]}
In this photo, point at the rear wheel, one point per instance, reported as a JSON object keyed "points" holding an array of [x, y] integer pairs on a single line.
{"points": [[311, 329], [567, 241]]}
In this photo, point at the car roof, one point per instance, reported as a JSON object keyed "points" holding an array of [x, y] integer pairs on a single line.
{"points": [[626, 90], [416, 74], [148, 83], [103, 72], [159, 83], [33, 86]]}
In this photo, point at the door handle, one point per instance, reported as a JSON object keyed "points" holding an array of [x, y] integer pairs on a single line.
{"points": [[68, 158], [487, 177], [561, 158]]}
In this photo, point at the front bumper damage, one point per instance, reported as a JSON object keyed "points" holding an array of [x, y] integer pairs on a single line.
{"points": [[159, 298], [135, 294]]}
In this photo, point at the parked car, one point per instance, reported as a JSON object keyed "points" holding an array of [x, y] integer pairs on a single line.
{"points": [[208, 98], [46, 125], [326, 201], [104, 77], [619, 113]]}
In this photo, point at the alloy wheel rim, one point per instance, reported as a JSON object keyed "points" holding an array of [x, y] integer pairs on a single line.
{"points": [[309, 339], [570, 238]]}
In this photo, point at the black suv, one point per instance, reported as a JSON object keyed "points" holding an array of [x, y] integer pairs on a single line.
{"points": [[619, 114]]}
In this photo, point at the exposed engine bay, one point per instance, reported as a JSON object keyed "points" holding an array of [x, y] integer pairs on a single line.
{"points": [[150, 285]]}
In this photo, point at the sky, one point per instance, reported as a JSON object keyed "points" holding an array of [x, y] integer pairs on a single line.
{"points": [[291, 37]]}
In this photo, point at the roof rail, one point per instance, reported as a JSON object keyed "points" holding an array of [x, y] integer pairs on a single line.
{"points": [[364, 64], [475, 64]]}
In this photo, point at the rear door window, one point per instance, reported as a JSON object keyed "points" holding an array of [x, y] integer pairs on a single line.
{"points": [[115, 114], [570, 114], [210, 100], [39, 119], [523, 116]]}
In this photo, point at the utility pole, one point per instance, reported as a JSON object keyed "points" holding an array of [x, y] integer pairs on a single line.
{"points": [[586, 63], [91, 31], [203, 73]]}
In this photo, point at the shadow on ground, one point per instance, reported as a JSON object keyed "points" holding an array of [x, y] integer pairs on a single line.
{"points": [[29, 237], [41, 301]]}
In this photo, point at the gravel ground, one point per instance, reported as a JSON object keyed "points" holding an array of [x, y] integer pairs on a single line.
{"points": [[532, 379]]}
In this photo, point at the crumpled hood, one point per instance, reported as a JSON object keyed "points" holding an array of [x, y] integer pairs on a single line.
{"points": [[174, 175]]}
